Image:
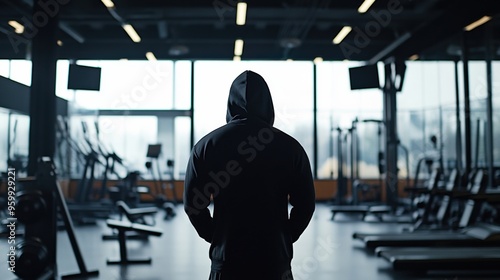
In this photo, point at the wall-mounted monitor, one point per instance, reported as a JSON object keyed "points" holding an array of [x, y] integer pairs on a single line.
{"points": [[84, 77], [364, 77]]}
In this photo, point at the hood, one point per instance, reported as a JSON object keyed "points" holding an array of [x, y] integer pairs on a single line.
{"points": [[249, 96]]}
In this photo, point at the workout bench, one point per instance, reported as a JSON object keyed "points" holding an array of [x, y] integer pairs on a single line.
{"points": [[123, 227], [136, 215]]}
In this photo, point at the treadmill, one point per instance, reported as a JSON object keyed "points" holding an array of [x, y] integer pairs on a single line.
{"points": [[447, 258], [432, 184], [478, 235]]}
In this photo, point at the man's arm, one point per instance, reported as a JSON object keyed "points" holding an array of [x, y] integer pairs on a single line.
{"points": [[196, 200], [302, 197]]}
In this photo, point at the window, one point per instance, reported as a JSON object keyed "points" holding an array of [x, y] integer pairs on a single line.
{"points": [[291, 86], [338, 107]]}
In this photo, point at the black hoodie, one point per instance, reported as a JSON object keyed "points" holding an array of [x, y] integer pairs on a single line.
{"points": [[252, 170]]}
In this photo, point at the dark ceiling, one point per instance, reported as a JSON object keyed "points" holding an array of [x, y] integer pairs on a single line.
{"points": [[274, 30]]}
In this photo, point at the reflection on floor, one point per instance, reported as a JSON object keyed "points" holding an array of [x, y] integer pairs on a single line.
{"points": [[325, 251]]}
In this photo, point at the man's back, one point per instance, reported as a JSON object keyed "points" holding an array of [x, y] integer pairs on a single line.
{"points": [[251, 169]]}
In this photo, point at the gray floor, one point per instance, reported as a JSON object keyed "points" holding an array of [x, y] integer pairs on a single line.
{"points": [[325, 251]]}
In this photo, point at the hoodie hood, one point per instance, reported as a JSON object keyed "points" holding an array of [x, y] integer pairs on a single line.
{"points": [[249, 96]]}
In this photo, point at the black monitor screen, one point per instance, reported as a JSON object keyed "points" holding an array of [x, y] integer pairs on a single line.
{"points": [[84, 77], [364, 77]]}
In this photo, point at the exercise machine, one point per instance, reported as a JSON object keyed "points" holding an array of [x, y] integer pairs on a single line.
{"points": [[160, 198], [38, 201]]}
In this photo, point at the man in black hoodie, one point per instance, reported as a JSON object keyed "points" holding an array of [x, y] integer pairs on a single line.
{"points": [[252, 171]]}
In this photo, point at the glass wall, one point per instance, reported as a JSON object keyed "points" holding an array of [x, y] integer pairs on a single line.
{"points": [[125, 85], [496, 111], [426, 108], [161, 93], [290, 83], [338, 107], [17, 70], [4, 128]]}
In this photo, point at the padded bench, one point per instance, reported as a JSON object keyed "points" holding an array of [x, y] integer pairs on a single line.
{"points": [[123, 227], [136, 215]]}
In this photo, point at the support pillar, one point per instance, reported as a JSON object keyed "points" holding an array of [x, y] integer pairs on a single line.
{"points": [[43, 81]]}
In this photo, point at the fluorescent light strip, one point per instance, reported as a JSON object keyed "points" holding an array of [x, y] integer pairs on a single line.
{"points": [[241, 13], [477, 23], [150, 56], [414, 57], [18, 28], [318, 60], [238, 47], [108, 3], [365, 6], [236, 58], [342, 34], [131, 32]]}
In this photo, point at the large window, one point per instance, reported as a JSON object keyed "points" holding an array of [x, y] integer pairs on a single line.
{"points": [[4, 121], [426, 109], [496, 111], [132, 89], [291, 86], [125, 85], [338, 107]]}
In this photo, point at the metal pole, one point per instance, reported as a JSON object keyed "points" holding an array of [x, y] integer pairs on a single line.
{"points": [[391, 155], [468, 146], [489, 106], [315, 124], [192, 104], [458, 137]]}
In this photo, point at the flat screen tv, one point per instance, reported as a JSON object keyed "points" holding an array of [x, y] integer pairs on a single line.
{"points": [[364, 77], [84, 77]]}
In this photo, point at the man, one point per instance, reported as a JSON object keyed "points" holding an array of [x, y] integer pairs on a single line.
{"points": [[252, 171]]}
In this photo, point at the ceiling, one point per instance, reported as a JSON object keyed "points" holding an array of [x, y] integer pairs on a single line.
{"points": [[274, 30]]}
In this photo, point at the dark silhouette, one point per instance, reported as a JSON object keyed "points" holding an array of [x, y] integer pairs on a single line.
{"points": [[252, 170]]}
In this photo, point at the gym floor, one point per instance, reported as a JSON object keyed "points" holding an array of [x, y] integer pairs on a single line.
{"points": [[325, 251]]}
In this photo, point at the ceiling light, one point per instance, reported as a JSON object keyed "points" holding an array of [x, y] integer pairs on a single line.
{"points": [[59, 43], [108, 3], [150, 56], [18, 28], [290, 43], [131, 32], [365, 6], [477, 23], [342, 34], [177, 50], [414, 57], [238, 47], [236, 58], [289, 60], [318, 60], [241, 13]]}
